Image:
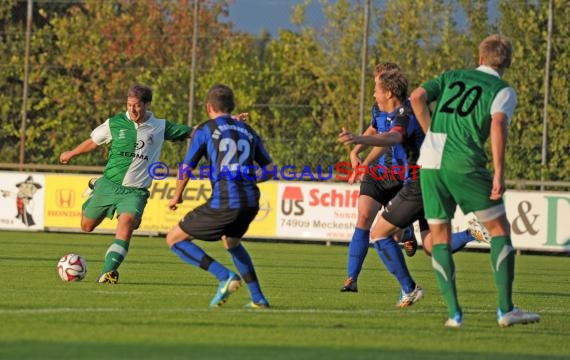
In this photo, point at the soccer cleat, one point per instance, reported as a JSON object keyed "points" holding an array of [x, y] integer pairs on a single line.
{"points": [[92, 182], [349, 286], [478, 231], [409, 241], [262, 304], [455, 322], [410, 298], [225, 289], [110, 277], [516, 316]]}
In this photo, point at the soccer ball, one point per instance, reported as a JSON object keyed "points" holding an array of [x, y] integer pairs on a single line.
{"points": [[72, 267]]}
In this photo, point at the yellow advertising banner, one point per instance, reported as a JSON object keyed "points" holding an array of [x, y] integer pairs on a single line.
{"points": [[265, 223], [64, 196], [66, 193]]}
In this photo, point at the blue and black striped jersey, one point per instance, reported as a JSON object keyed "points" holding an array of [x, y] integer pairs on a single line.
{"points": [[405, 154], [233, 151]]}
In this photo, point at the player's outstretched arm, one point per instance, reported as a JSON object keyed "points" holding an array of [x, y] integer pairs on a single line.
{"points": [[85, 147]]}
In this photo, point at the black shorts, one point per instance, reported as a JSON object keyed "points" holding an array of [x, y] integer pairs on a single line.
{"points": [[380, 190], [406, 207], [206, 223]]}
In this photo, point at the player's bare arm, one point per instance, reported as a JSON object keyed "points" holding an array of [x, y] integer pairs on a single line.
{"points": [[383, 139], [499, 131], [374, 155], [85, 147], [418, 100], [182, 180]]}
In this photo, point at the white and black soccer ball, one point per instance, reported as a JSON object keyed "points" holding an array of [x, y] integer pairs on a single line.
{"points": [[72, 267]]}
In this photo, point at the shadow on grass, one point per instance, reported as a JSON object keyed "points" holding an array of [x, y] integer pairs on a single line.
{"points": [[71, 350]]}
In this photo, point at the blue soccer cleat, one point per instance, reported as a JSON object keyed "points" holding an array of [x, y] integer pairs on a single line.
{"points": [[225, 289]]}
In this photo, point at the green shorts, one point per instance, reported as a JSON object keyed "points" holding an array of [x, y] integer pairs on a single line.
{"points": [[443, 190], [108, 197]]}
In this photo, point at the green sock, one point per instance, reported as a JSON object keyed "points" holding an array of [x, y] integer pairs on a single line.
{"points": [[503, 264], [115, 255], [444, 267]]}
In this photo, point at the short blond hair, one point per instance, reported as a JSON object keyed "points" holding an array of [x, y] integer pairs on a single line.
{"points": [[496, 51]]}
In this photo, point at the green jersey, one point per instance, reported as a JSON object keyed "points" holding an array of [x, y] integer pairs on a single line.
{"points": [[461, 120], [135, 146]]}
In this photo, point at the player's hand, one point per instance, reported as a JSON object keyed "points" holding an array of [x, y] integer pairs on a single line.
{"points": [[65, 157], [173, 203], [354, 162], [345, 137], [499, 187], [241, 117], [353, 178]]}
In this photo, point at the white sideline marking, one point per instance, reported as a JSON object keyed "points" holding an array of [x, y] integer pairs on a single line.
{"points": [[265, 311]]}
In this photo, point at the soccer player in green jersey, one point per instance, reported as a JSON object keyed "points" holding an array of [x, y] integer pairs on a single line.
{"points": [[471, 105], [136, 138]]}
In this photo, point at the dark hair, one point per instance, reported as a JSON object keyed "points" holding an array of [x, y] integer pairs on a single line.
{"points": [[221, 97], [385, 66], [141, 92], [396, 83]]}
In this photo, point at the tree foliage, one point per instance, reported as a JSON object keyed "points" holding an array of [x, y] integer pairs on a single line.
{"points": [[299, 87]]}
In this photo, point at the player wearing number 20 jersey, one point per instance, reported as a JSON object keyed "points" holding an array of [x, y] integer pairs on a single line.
{"points": [[454, 145]]}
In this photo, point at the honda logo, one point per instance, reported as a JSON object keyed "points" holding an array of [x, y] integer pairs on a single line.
{"points": [[65, 198]]}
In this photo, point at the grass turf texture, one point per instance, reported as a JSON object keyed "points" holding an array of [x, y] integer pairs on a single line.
{"points": [[159, 309]]}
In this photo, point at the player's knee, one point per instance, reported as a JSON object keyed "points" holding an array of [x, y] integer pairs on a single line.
{"points": [[498, 227], [364, 219], [170, 241], [230, 243], [87, 227]]}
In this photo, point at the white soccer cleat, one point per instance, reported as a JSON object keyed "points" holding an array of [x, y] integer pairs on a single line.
{"points": [[410, 298], [478, 231], [516, 316], [455, 322]]}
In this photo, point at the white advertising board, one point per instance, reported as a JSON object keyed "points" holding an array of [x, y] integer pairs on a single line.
{"points": [[22, 201]]}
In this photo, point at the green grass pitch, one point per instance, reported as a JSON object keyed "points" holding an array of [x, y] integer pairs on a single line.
{"points": [[159, 310]]}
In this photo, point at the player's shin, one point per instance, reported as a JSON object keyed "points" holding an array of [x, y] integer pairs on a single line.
{"points": [[244, 265], [503, 264], [444, 267]]}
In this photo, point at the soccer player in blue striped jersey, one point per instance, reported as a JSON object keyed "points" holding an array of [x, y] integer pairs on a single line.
{"points": [[404, 139], [232, 149], [373, 193]]}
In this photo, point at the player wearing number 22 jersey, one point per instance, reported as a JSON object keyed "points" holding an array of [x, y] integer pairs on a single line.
{"points": [[233, 151]]}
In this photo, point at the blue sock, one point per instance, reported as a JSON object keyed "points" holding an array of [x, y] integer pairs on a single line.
{"points": [[357, 250], [459, 240], [392, 257], [243, 263], [194, 255]]}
